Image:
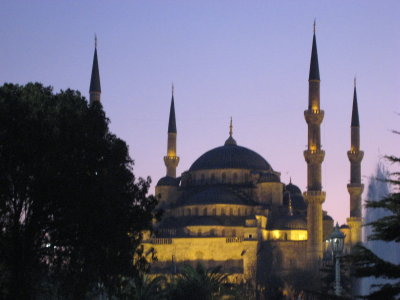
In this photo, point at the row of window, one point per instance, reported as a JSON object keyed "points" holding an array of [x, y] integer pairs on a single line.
{"points": [[214, 211], [213, 178]]}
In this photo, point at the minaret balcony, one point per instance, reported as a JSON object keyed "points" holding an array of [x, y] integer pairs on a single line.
{"points": [[171, 161], [317, 197], [355, 189], [355, 156], [314, 116], [314, 156]]}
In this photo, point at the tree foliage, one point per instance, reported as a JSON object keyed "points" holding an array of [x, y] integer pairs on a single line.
{"points": [[198, 283], [71, 211], [367, 263]]}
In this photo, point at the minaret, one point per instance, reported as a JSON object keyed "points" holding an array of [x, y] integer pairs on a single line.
{"points": [[95, 89], [314, 156], [171, 160], [355, 187]]}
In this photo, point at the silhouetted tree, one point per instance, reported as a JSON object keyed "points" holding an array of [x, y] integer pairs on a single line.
{"points": [[198, 284], [367, 263], [71, 211]]}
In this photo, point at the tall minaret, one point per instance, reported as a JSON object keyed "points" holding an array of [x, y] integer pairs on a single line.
{"points": [[171, 160], [95, 89], [314, 156], [355, 187]]}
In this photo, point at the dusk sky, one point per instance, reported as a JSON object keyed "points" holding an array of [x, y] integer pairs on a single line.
{"points": [[245, 59]]}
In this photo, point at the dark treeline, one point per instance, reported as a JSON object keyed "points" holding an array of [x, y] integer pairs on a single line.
{"points": [[71, 210]]}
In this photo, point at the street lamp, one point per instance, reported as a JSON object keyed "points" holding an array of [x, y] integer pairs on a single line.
{"points": [[336, 241]]}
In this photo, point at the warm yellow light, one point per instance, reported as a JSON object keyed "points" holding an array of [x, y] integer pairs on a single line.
{"points": [[276, 234], [289, 235]]}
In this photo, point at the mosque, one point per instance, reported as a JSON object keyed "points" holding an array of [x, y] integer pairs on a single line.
{"points": [[231, 209]]}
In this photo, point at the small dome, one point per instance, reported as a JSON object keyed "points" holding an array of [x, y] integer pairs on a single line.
{"points": [[168, 181], [293, 189], [297, 200], [290, 222], [230, 156]]}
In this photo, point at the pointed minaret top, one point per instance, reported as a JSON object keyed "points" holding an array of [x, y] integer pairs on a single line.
{"points": [[230, 140], [355, 122], [314, 67], [172, 122], [315, 21], [95, 79]]}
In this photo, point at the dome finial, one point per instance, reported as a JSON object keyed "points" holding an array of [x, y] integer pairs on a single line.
{"points": [[95, 41], [230, 128], [230, 140], [172, 89], [355, 80]]}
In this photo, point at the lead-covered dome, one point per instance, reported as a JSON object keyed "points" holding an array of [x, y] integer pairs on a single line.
{"points": [[231, 156]]}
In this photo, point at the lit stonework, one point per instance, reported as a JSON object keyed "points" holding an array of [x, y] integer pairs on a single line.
{"points": [[314, 157], [355, 187]]}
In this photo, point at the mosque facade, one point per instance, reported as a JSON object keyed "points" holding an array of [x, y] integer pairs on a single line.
{"points": [[231, 208]]}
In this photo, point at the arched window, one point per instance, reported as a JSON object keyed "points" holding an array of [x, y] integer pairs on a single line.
{"points": [[212, 178], [239, 212], [231, 211], [199, 232], [196, 211], [212, 232], [205, 212], [246, 177], [223, 177], [222, 211], [214, 211], [233, 232], [223, 232], [189, 211], [235, 177]]}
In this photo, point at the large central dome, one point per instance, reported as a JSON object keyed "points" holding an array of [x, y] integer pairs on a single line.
{"points": [[230, 156]]}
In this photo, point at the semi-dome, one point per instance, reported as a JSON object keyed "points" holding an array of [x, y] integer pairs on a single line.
{"points": [[230, 156], [217, 195], [168, 181]]}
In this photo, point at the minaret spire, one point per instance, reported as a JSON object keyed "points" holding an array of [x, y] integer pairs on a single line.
{"points": [[314, 156], [355, 121], [314, 67], [172, 121], [171, 160], [315, 21], [95, 88], [355, 187]]}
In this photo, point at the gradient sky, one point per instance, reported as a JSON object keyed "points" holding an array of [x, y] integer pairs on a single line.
{"points": [[245, 59]]}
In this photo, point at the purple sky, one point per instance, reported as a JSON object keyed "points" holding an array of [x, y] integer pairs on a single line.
{"points": [[245, 59]]}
